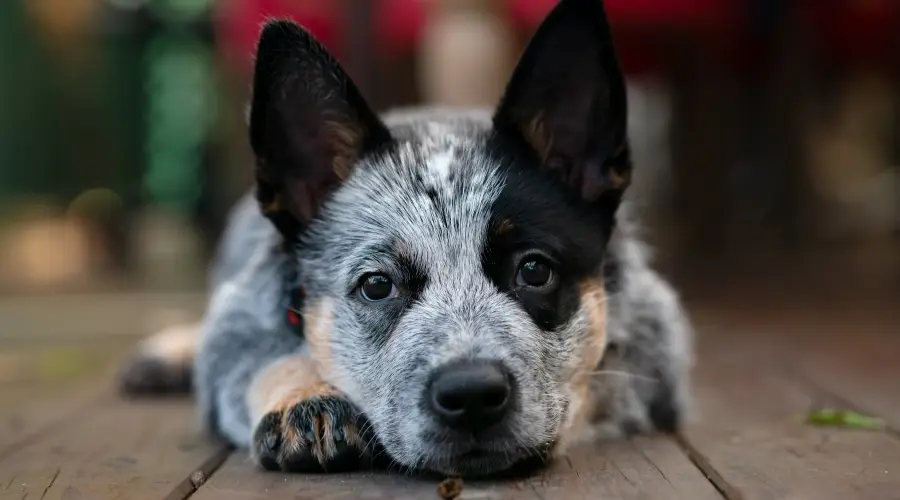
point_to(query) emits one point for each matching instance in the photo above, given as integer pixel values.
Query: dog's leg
(302, 424)
(643, 379)
(256, 383)
(163, 363)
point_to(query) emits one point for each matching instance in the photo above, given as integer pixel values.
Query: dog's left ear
(566, 102)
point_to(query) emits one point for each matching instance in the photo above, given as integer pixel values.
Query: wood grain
(42, 384)
(758, 376)
(81, 316)
(750, 428)
(60, 354)
(643, 468)
(856, 360)
(117, 449)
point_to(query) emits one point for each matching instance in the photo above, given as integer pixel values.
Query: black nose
(471, 395)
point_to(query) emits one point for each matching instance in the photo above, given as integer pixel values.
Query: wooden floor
(761, 369)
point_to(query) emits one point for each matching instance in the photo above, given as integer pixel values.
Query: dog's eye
(376, 287)
(534, 272)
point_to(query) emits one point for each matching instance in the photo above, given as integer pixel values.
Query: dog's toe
(320, 434)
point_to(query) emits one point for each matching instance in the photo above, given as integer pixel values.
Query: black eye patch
(541, 247)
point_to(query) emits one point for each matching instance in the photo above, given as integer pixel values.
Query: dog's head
(452, 262)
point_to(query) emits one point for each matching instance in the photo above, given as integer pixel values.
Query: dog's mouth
(461, 455)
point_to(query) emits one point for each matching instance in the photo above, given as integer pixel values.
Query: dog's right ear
(566, 102)
(309, 125)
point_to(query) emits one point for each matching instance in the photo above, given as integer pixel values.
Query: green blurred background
(767, 133)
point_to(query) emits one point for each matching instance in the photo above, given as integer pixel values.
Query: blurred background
(766, 132)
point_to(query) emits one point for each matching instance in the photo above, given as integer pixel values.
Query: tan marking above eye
(619, 180)
(272, 206)
(502, 226)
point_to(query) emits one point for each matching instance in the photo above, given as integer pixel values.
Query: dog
(460, 290)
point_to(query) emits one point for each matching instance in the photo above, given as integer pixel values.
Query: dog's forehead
(433, 193)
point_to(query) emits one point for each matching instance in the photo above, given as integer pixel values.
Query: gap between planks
(702, 463)
(754, 442)
(644, 467)
(199, 476)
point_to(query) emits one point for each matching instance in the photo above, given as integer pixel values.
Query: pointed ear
(566, 102)
(309, 125)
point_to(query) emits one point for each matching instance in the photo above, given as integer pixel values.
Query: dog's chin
(480, 463)
(472, 464)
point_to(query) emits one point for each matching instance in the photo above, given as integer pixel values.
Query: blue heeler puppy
(468, 291)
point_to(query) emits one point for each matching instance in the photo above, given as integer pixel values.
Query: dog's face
(452, 262)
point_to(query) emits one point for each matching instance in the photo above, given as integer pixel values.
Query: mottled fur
(445, 202)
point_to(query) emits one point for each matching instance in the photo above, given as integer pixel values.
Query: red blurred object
(856, 31)
(848, 30)
(239, 23)
(398, 24)
(635, 22)
(695, 15)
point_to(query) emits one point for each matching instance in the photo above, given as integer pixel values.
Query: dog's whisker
(618, 373)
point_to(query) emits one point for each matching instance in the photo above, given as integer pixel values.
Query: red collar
(295, 310)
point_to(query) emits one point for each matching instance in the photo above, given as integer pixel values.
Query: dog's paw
(145, 375)
(318, 434)
(163, 363)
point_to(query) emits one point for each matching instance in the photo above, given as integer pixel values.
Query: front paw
(318, 434)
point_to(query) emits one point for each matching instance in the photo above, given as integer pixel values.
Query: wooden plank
(23, 423)
(645, 467)
(58, 354)
(117, 449)
(57, 317)
(44, 383)
(750, 430)
(858, 362)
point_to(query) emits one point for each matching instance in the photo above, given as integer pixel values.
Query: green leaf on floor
(844, 419)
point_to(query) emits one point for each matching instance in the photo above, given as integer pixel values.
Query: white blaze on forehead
(434, 195)
(442, 148)
(438, 130)
(439, 164)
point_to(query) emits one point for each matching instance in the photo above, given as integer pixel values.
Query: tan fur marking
(536, 135)
(345, 146)
(290, 436)
(283, 384)
(273, 206)
(324, 446)
(176, 345)
(318, 321)
(352, 435)
(593, 300)
(503, 226)
(619, 180)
